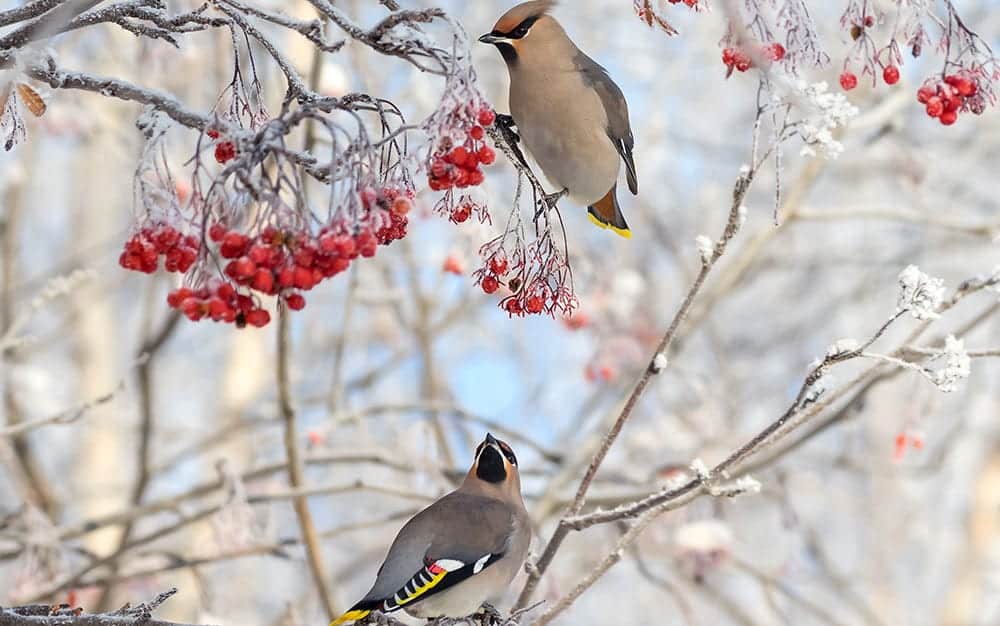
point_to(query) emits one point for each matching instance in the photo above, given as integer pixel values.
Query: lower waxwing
(460, 551)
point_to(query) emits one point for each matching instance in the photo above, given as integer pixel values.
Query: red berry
(401, 205)
(935, 106)
(490, 284)
(475, 177)
(948, 118)
(263, 281)
(243, 267)
(304, 278)
(869, 20)
(774, 51)
(486, 117)
(217, 308)
(439, 169)
(174, 298)
(295, 301)
(848, 81)
(233, 245)
(476, 132)
(513, 306)
(258, 317)
(924, 94)
(225, 291)
(458, 156)
(213, 133)
(225, 151)
(216, 232)
(534, 304)
(498, 265)
(460, 214)
(486, 155)
(890, 75)
(261, 255)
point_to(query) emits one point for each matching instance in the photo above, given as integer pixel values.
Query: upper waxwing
(572, 117)
(460, 551)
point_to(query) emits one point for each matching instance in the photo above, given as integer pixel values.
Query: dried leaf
(31, 99)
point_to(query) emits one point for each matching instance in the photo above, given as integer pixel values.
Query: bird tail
(351, 616)
(607, 214)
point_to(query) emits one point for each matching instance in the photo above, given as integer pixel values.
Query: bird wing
(619, 129)
(453, 539)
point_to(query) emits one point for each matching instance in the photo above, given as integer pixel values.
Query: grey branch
(64, 615)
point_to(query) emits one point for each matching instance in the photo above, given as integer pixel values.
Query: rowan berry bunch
(945, 99)
(143, 250)
(458, 148)
(456, 165)
(970, 68)
(285, 262)
(736, 59)
(762, 33)
(532, 278)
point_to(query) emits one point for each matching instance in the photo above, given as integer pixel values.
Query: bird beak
(490, 440)
(493, 39)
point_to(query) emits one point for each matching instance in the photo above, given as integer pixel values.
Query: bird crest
(527, 10)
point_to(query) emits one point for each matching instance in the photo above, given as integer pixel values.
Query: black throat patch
(508, 53)
(491, 467)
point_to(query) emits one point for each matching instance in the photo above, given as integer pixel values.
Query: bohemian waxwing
(572, 117)
(460, 551)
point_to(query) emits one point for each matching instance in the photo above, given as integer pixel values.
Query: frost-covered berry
(848, 81)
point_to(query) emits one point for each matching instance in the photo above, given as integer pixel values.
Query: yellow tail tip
(350, 616)
(623, 232)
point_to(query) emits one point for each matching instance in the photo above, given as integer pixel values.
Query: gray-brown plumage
(462, 550)
(572, 117)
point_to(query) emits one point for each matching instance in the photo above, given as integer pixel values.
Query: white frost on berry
(823, 112)
(919, 293)
(706, 248)
(957, 365)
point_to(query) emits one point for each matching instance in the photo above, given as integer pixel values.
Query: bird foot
(549, 201)
(489, 616)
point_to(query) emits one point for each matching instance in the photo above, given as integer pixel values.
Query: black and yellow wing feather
(433, 578)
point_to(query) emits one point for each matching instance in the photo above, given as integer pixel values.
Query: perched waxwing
(572, 117)
(460, 551)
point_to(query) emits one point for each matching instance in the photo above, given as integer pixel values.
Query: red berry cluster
(496, 269)
(737, 59)
(225, 151)
(944, 99)
(143, 250)
(269, 261)
(458, 166)
(690, 3)
(463, 210)
(220, 302)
